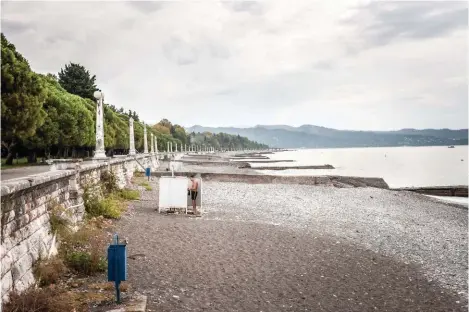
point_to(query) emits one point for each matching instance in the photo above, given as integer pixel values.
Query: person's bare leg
(194, 208)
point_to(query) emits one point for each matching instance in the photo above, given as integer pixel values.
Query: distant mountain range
(309, 136)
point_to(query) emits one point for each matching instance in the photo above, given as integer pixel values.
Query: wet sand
(299, 248)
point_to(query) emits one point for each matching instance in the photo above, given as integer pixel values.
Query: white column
(171, 146)
(99, 152)
(156, 144)
(145, 142)
(167, 148)
(151, 144)
(176, 148)
(131, 136)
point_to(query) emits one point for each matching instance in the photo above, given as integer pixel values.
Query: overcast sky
(343, 64)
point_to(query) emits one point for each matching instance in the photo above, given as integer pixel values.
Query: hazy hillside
(310, 136)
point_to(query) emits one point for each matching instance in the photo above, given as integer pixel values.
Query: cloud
(147, 7)
(341, 63)
(180, 51)
(251, 7)
(16, 27)
(382, 22)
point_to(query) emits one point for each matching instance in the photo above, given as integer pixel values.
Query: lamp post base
(101, 155)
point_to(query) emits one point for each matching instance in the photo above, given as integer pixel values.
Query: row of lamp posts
(100, 152)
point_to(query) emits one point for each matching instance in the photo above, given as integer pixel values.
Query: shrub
(108, 207)
(128, 194)
(85, 262)
(49, 299)
(58, 218)
(146, 185)
(109, 182)
(83, 250)
(138, 174)
(48, 272)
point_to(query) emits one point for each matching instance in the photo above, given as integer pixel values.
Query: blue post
(117, 264)
(147, 173)
(117, 281)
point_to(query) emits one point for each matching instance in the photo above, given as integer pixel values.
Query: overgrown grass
(128, 194)
(83, 251)
(139, 174)
(146, 185)
(49, 299)
(86, 263)
(58, 218)
(110, 207)
(48, 272)
(109, 182)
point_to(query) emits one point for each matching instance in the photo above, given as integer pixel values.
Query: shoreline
(243, 167)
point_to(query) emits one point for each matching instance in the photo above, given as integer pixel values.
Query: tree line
(54, 116)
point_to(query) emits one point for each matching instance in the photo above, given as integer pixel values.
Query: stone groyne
(458, 190)
(294, 167)
(337, 181)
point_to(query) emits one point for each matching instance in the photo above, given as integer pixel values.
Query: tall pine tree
(76, 79)
(22, 99)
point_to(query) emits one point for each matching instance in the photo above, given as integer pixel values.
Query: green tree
(180, 134)
(22, 99)
(77, 80)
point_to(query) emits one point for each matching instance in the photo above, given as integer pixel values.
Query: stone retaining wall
(25, 227)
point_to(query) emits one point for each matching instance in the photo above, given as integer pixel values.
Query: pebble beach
(287, 247)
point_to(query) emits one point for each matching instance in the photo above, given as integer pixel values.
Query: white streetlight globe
(97, 95)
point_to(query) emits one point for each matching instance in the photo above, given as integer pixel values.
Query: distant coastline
(309, 136)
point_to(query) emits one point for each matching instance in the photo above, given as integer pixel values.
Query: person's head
(192, 177)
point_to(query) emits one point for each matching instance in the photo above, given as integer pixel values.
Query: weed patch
(109, 207)
(50, 299)
(48, 272)
(58, 218)
(109, 182)
(146, 185)
(138, 174)
(85, 262)
(128, 194)
(83, 250)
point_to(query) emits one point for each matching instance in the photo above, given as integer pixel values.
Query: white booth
(173, 193)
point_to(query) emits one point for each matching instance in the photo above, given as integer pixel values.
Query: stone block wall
(25, 228)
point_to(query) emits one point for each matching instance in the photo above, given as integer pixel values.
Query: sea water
(398, 166)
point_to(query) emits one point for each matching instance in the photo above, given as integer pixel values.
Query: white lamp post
(132, 150)
(145, 143)
(100, 152)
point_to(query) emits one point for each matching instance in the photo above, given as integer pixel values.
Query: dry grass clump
(48, 272)
(49, 299)
(83, 251)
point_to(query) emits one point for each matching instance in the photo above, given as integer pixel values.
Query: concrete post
(132, 150)
(99, 152)
(176, 147)
(156, 144)
(151, 144)
(145, 143)
(167, 148)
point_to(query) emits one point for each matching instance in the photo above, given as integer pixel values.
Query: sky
(344, 64)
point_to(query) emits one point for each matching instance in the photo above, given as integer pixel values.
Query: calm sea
(398, 166)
